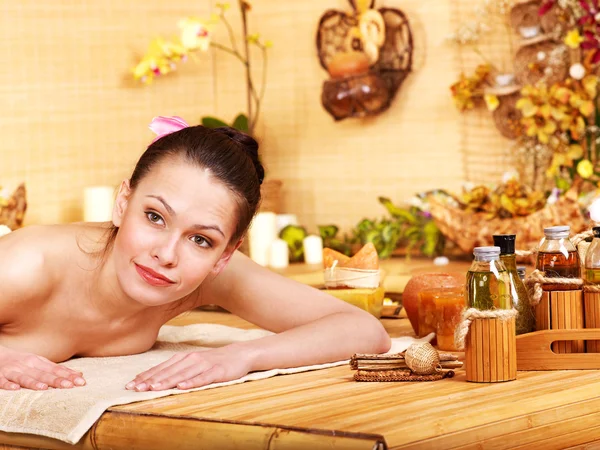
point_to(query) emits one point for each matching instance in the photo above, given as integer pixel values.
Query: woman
(106, 289)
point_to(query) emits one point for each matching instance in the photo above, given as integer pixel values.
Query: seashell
(422, 358)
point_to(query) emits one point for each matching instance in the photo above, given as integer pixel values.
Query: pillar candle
(313, 249)
(98, 203)
(279, 256)
(262, 233)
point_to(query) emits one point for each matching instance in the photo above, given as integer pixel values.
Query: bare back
(48, 302)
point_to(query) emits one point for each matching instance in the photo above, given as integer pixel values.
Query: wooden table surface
(326, 409)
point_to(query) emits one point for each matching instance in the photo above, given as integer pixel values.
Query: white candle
(98, 203)
(262, 233)
(283, 220)
(279, 256)
(313, 249)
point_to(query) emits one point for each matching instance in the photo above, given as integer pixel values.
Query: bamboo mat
(67, 414)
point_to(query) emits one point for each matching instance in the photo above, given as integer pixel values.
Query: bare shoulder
(29, 258)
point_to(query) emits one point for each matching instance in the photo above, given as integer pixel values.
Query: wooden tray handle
(534, 352)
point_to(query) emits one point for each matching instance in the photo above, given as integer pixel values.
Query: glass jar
(488, 283)
(525, 322)
(592, 259)
(558, 258)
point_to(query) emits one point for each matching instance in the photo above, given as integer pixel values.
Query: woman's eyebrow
(165, 204)
(196, 226)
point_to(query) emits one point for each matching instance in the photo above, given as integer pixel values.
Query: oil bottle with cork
(525, 322)
(558, 258)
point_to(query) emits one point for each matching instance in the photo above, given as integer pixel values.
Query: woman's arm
(26, 285)
(313, 327)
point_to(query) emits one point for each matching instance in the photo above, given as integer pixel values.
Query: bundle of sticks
(393, 367)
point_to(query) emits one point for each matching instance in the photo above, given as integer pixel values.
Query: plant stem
(263, 84)
(249, 87)
(230, 51)
(230, 32)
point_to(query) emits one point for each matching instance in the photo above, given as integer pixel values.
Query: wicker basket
(13, 213)
(469, 230)
(540, 59)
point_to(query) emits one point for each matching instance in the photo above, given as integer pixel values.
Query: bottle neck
(510, 261)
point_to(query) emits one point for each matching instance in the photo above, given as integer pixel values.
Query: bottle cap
(486, 251)
(596, 231)
(506, 242)
(559, 231)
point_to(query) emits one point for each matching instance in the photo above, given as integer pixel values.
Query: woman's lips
(151, 277)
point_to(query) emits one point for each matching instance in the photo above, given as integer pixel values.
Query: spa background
(74, 117)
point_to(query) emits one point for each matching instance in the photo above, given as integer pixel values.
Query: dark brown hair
(230, 155)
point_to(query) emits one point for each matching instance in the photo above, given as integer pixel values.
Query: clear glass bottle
(488, 283)
(592, 259)
(558, 258)
(525, 322)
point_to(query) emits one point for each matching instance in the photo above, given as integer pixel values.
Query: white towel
(67, 414)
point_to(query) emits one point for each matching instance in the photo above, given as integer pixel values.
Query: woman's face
(174, 231)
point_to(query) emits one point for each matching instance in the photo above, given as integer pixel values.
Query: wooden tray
(534, 350)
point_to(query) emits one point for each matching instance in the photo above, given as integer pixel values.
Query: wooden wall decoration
(374, 46)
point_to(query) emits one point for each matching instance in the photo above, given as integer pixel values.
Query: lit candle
(279, 257)
(313, 249)
(98, 203)
(262, 233)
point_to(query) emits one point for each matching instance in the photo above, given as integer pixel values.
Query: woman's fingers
(73, 376)
(142, 377)
(8, 385)
(26, 381)
(50, 379)
(212, 375)
(172, 376)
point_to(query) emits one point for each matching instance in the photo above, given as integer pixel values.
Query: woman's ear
(225, 257)
(121, 203)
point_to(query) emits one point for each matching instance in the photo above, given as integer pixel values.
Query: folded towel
(67, 414)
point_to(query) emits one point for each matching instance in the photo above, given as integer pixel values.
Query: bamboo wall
(73, 117)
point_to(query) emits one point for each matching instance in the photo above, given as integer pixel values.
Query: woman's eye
(153, 217)
(200, 241)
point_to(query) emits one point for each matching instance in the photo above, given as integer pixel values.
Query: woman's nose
(165, 251)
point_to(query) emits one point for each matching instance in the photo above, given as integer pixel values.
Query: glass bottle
(558, 258)
(525, 322)
(592, 259)
(488, 283)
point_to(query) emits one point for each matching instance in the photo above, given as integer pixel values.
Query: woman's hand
(21, 369)
(191, 370)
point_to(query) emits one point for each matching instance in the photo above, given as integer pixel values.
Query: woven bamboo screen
(72, 117)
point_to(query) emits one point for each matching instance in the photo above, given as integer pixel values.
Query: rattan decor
(541, 59)
(371, 93)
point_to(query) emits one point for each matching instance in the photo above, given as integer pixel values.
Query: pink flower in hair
(166, 125)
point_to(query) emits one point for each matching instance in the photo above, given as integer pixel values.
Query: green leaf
(241, 123)
(327, 231)
(397, 212)
(213, 122)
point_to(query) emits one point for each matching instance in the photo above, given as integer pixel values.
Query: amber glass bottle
(525, 322)
(558, 258)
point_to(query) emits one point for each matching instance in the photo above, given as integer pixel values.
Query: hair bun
(248, 144)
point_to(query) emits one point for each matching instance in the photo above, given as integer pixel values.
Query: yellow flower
(590, 84)
(195, 34)
(585, 168)
(528, 109)
(575, 151)
(573, 38)
(491, 102)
